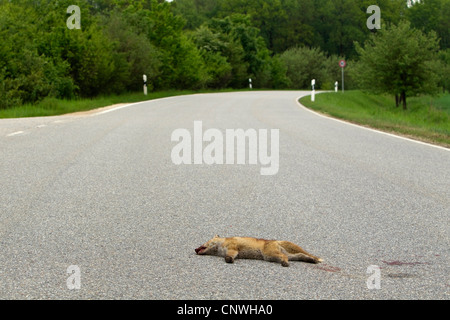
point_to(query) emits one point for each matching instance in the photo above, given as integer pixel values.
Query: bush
(304, 64)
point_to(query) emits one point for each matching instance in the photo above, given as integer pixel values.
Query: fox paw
(229, 259)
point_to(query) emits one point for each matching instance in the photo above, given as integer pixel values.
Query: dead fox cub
(252, 248)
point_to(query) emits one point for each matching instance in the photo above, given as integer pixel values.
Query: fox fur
(253, 248)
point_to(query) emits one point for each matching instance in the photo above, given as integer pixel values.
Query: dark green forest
(215, 44)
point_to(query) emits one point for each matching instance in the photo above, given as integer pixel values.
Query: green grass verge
(53, 106)
(426, 119)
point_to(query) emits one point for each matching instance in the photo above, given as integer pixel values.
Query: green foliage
(133, 55)
(304, 64)
(235, 50)
(194, 44)
(179, 62)
(432, 15)
(400, 61)
(196, 12)
(444, 73)
(213, 47)
(278, 78)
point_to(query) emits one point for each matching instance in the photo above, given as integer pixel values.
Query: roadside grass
(427, 118)
(53, 106)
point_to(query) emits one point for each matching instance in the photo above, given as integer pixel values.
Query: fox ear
(216, 236)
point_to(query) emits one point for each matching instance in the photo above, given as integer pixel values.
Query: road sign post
(342, 64)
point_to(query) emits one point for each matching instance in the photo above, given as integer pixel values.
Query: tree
(243, 47)
(196, 12)
(265, 15)
(212, 46)
(181, 64)
(26, 74)
(304, 64)
(337, 24)
(432, 15)
(133, 55)
(400, 61)
(297, 28)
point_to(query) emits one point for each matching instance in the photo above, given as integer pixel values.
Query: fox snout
(200, 249)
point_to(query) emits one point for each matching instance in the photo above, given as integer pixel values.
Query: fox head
(210, 247)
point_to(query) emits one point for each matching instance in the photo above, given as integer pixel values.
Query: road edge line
(366, 128)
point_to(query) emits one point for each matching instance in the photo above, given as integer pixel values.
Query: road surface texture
(99, 191)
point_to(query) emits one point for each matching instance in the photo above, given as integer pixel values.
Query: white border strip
(15, 133)
(117, 108)
(136, 103)
(370, 129)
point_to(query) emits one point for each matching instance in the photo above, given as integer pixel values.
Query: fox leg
(277, 257)
(304, 257)
(272, 252)
(230, 255)
(295, 252)
(284, 260)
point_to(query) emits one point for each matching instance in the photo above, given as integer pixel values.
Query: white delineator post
(145, 84)
(250, 83)
(336, 84)
(313, 94)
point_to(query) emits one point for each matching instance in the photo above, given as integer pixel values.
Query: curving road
(99, 191)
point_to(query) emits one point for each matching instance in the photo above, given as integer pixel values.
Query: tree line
(196, 44)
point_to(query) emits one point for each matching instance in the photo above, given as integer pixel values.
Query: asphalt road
(99, 191)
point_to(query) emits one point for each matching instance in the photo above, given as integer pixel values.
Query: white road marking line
(15, 133)
(116, 108)
(370, 129)
(145, 101)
